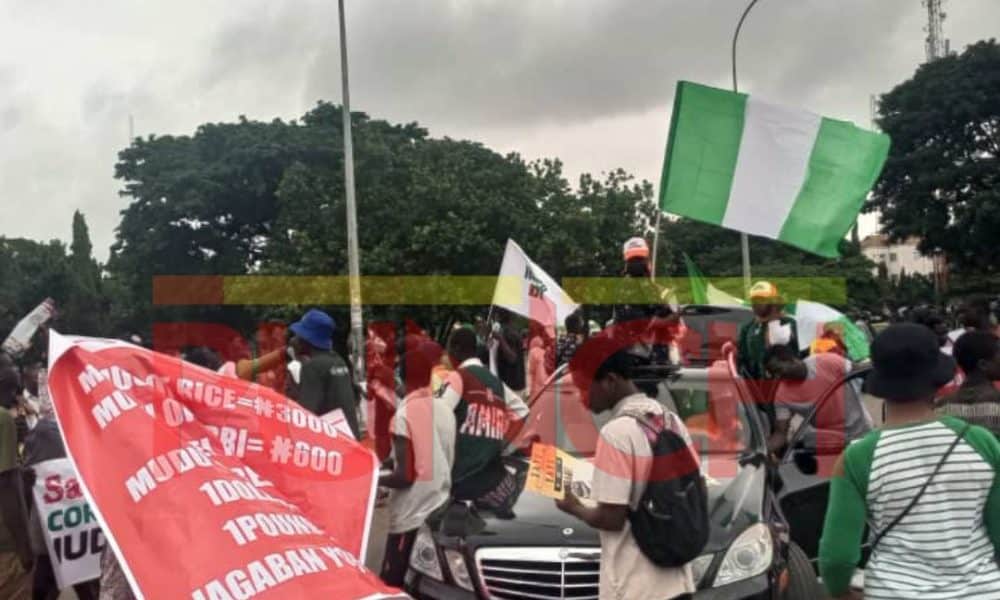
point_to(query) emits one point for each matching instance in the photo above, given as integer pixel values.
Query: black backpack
(671, 524)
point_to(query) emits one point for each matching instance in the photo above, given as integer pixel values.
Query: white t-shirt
(33, 405)
(622, 464)
(429, 424)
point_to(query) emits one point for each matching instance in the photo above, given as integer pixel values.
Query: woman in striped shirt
(927, 486)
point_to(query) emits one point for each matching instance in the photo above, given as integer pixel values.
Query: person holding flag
(525, 289)
(510, 352)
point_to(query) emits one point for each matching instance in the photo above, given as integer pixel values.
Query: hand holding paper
(778, 334)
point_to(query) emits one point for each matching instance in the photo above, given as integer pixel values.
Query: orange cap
(635, 248)
(764, 290)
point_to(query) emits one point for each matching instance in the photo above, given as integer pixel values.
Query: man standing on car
(622, 467)
(325, 379)
(488, 416)
(648, 305)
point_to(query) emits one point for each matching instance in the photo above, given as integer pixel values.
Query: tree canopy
(32, 271)
(942, 179)
(254, 197)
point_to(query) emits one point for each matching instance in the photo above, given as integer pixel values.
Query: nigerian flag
(753, 166)
(703, 292)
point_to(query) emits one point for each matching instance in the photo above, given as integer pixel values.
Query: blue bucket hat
(315, 327)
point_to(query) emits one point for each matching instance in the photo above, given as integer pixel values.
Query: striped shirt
(946, 546)
(978, 404)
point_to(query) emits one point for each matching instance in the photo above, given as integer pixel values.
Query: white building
(897, 257)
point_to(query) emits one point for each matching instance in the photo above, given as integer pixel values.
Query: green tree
(268, 197)
(253, 197)
(85, 306)
(942, 180)
(912, 289)
(33, 271)
(81, 248)
(580, 233)
(200, 204)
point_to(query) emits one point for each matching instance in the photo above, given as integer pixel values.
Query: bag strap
(923, 488)
(651, 429)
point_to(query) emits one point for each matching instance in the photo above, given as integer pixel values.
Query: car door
(804, 473)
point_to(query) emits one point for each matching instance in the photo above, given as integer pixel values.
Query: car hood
(735, 503)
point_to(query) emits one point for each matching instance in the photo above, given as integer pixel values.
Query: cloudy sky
(588, 81)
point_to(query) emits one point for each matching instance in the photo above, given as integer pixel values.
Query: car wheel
(802, 581)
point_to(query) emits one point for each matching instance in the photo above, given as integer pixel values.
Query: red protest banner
(208, 487)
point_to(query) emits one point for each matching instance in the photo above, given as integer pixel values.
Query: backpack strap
(923, 488)
(645, 422)
(648, 427)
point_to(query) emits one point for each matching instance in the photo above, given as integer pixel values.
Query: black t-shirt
(325, 385)
(647, 302)
(511, 372)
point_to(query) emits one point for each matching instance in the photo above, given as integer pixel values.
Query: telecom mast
(937, 46)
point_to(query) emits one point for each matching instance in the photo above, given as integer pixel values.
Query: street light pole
(744, 238)
(353, 264)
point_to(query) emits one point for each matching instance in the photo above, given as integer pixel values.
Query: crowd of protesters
(925, 483)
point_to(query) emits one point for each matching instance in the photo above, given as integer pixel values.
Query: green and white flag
(813, 318)
(703, 292)
(760, 168)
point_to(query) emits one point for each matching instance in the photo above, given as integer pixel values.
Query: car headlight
(459, 572)
(424, 556)
(699, 567)
(749, 556)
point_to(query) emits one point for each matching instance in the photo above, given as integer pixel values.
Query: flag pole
(744, 238)
(656, 240)
(353, 264)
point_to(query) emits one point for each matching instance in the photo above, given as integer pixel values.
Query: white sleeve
(399, 425)
(451, 390)
(515, 403)
(614, 464)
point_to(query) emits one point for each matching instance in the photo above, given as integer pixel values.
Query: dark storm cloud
(590, 81)
(561, 62)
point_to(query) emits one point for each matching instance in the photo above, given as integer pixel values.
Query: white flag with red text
(525, 289)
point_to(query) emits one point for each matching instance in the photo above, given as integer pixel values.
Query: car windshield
(708, 404)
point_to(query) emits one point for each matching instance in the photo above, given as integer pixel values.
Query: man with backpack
(651, 504)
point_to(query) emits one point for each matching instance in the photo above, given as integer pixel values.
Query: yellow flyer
(547, 471)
